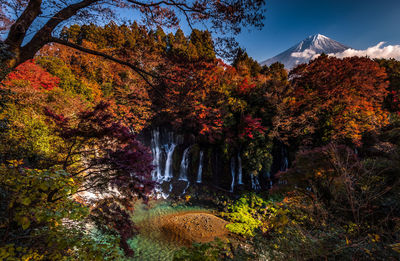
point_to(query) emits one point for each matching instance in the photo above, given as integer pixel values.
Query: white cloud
(306, 54)
(377, 51)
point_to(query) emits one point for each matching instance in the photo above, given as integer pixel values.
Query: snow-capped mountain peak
(306, 50)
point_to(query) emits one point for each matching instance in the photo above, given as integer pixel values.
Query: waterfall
(240, 171)
(187, 186)
(233, 173)
(268, 178)
(285, 164)
(184, 165)
(156, 150)
(200, 170)
(158, 193)
(184, 169)
(169, 149)
(255, 185)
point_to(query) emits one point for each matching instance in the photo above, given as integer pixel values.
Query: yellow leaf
(26, 201)
(25, 222)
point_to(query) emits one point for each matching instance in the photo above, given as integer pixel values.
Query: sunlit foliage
(334, 99)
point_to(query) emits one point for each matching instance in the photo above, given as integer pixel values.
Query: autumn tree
(333, 99)
(392, 101)
(29, 32)
(56, 134)
(125, 91)
(242, 61)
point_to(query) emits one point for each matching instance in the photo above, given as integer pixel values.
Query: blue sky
(355, 23)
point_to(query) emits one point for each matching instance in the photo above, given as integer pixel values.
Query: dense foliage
(341, 192)
(55, 146)
(71, 165)
(333, 99)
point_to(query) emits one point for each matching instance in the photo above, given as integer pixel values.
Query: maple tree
(392, 100)
(333, 99)
(35, 75)
(127, 93)
(102, 152)
(56, 134)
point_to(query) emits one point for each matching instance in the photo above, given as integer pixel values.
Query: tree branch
(18, 30)
(142, 73)
(44, 35)
(181, 6)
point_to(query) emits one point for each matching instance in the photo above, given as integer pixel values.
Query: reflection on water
(151, 243)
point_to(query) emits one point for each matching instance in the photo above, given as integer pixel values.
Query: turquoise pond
(152, 243)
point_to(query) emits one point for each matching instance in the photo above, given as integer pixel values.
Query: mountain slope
(305, 50)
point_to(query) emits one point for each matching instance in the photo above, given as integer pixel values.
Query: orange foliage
(334, 99)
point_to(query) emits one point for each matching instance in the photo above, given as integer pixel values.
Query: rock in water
(193, 227)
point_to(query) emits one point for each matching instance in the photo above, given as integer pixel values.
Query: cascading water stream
(169, 148)
(200, 169)
(268, 177)
(156, 150)
(184, 169)
(233, 173)
(285, 164)
(184, 165)
(240, 170)
(187, 186)
(255, 184)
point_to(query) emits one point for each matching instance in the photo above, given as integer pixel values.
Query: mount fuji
(305, 50)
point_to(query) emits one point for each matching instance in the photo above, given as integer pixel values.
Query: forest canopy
(303, 164)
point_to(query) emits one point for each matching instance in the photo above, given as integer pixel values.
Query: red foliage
(113, 158)
(35, 75)
(245, 86)
(334, 99)
(251, 126)
(107, 213)
(396, 101)
(196, 95)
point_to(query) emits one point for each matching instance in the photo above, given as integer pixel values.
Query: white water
(158, 193)
(233, 173)
(169, 148)
(200, 169)
(184, 165)
(187, 186)
(240, 171)
(184, 169)
(156, 150)
(285, 164)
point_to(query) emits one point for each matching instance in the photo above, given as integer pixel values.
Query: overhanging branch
(142, 73)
